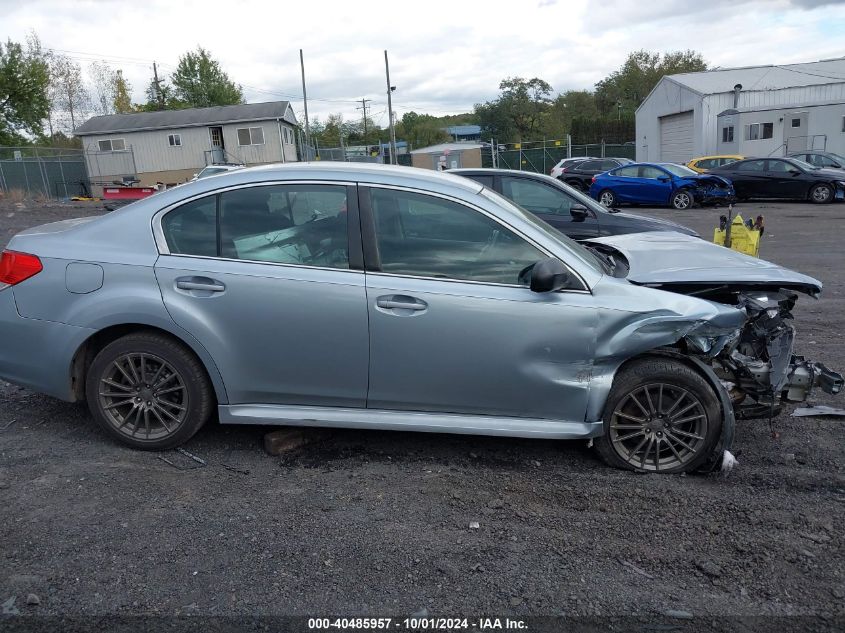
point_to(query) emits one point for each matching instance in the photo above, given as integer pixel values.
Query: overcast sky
(444, 55)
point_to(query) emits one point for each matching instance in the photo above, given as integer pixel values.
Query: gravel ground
(379, 523)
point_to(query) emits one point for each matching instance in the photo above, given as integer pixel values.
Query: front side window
(647, 171)
(250, 136)
(304, 225)
(426, 236)
(780, 166)
(535, 196)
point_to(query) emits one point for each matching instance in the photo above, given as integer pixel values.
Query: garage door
(676, 137)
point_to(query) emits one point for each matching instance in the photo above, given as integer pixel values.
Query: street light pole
(390, 89)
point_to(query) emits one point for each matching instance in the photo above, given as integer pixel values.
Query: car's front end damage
(711, 190)
(747, 342)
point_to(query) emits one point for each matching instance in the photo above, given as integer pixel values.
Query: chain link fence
(541, 156)
(43, 171)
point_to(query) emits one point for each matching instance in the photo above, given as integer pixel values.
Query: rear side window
(486, 181)
(607, 165)
(752, 165)
(303, 225)
(192, 228)
(590, 165)
(707, 163)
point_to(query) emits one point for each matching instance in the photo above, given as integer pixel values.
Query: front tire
(682, 200)
(607, 199)
(821, 194)
(661, 416)
(148, 391)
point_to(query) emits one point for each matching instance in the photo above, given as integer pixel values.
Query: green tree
(520, 111)
(625, 89)
(122, 102)
(199, 82)
(24, 85)
(69, 96)
(421, 130)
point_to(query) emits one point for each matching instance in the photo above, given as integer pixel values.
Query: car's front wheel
(607, 199)
(660, 416)
(821, 194)
(682, 199)
(148, 391)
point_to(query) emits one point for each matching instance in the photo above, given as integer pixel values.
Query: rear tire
(148, 391)
(607, 198)
(821, 194)
(661, 416)
(682, 200)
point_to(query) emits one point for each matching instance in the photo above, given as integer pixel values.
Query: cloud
(444, 56)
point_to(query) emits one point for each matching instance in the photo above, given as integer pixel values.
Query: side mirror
(549, 275)
(795, 172)
(578, 212)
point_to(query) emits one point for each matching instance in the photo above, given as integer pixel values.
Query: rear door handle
(209, 286)
(400, 302)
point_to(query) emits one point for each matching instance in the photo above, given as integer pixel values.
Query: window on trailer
(112, 145)
(174, 140)
(250, 136)
(728, 134)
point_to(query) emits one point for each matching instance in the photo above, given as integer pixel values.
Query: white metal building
(169, 146)
(753, 111)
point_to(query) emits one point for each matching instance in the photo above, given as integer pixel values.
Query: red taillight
(16, 267)
(594, 179)
(563, 171)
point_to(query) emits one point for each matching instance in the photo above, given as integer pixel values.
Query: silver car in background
(379, 297)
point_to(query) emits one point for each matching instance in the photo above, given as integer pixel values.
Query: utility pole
(390, 89)
(159, 96)
(305, 101)
(364, 108)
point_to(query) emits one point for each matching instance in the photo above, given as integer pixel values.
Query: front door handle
(401, 302)
(208, 285)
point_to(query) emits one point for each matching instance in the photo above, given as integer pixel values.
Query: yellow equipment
(743, 239)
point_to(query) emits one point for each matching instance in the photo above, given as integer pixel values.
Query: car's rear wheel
(821, 194)
(575, 184)
(148, 391)
(682, 199)
(660, 416)
(607, 198)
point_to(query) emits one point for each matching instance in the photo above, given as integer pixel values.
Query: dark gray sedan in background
(376, 297)
(571, 212)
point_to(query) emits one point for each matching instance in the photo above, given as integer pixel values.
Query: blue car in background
(660, 184)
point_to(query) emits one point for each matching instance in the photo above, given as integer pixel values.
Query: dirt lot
(378, 523)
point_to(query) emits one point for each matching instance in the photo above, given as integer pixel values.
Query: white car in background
(557, 170)
(211, 170)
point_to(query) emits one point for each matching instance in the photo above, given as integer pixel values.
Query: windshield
(579, 251)
(679, 170)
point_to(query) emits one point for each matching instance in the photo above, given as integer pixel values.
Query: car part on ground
(365, 296)
(660, 184)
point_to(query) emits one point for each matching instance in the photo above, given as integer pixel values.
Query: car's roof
(737, 156)
(355, 171)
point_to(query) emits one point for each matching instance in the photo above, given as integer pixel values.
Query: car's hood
(829, 172)
(666, 258)
(649, 223)
(704, 178)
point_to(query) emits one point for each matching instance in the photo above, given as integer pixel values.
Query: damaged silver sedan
(372, 297)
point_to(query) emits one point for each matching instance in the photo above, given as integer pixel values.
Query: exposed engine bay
(757, 364)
